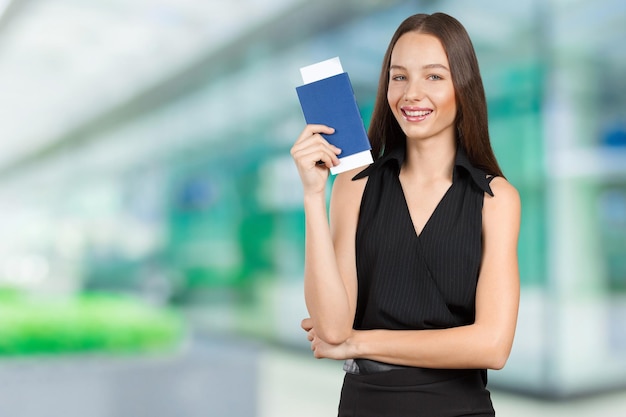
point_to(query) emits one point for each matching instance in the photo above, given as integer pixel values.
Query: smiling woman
(415, 282)
(421, 93)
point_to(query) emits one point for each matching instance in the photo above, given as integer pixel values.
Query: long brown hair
(471, 118)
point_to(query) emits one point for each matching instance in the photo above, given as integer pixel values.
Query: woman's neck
(429, 160)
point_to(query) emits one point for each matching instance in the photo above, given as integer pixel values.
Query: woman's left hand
(322, 349)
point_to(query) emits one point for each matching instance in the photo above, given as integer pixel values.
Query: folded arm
(484, 344)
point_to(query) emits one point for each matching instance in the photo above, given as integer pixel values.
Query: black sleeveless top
(426, 281)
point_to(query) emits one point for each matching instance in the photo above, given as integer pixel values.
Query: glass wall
(196, 202)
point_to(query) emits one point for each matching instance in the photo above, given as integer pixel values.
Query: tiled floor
(292, 384)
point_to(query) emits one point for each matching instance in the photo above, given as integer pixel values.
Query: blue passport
(331, 101)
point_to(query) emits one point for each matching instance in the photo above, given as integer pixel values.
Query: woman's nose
(413, 91)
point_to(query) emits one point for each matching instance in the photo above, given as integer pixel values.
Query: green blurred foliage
(102, 323)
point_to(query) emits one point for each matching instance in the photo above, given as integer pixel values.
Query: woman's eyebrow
(427, 66)
(431, 66)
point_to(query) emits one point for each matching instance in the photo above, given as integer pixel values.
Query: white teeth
(417, 113)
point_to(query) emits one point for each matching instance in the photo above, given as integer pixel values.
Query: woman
(415, 281)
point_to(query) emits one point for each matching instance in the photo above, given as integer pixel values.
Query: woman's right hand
(314, 156)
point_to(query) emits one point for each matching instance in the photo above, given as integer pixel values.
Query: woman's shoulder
(505, 196)
(347, 185)
(503, 188)
(345, 200)
(347, 192)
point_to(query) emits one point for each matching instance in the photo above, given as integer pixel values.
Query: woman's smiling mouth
(415, 113)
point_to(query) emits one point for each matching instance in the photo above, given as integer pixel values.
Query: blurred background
(151, 248)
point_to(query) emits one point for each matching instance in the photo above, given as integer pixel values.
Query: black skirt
(416, 392)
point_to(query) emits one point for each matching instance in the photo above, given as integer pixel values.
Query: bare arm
(330, 266)
(484, 344)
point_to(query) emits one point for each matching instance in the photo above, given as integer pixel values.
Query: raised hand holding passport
(327, 98)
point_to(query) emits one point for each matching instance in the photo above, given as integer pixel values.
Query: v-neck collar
(433, 214)
(395, 158)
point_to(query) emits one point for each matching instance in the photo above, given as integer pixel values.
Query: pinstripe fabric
(410, 281)
(425, 281)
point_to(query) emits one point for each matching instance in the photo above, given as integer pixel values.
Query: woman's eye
(398, 78)
(434, 77)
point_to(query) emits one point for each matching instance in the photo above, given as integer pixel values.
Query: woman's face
(421, 94)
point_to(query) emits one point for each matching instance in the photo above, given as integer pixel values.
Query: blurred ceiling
(69, 68)
(66, 61)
